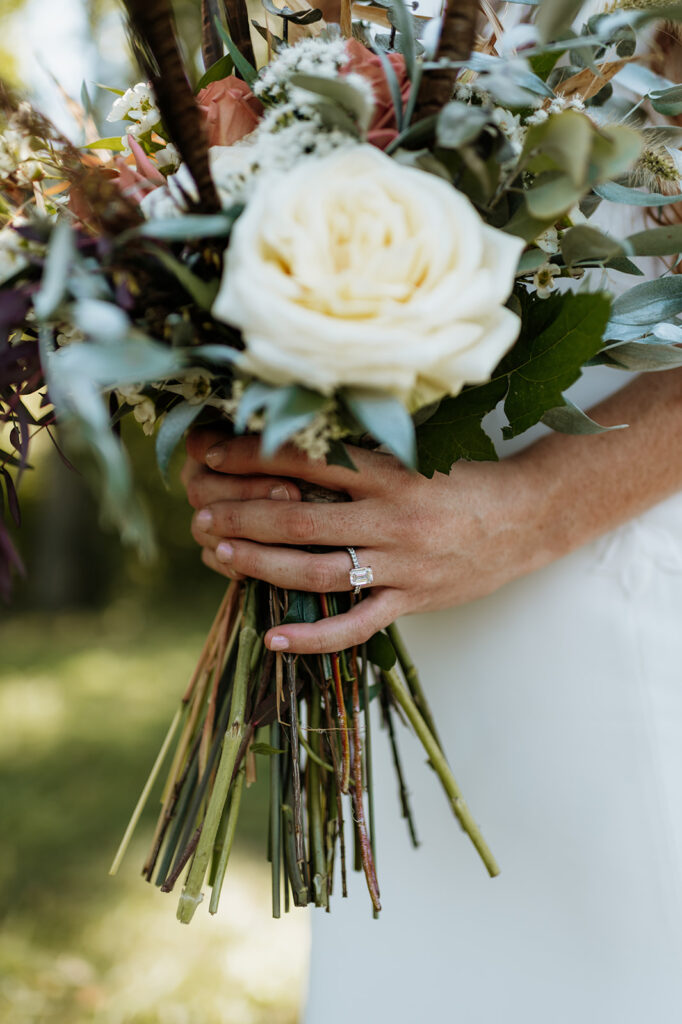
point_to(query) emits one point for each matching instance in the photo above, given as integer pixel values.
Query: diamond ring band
(360, 575)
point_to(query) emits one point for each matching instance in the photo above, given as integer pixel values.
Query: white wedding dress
(559, 701)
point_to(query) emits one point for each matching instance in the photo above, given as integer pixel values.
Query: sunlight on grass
(84, 704)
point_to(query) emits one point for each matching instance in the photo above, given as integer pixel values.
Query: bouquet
(376, 237)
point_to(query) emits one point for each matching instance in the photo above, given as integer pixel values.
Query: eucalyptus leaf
(290, 410)
(385, 418)
(460, 123)
(552, 195)
(644, 358)
(393, 88)
(257, 395)
(614, 193)
(60, 255)
(180, 229)
(338, 455)
(663, 241)
(559, 335)
(220, 355)
(352, 101)
(173, 426)
(530, 261)
(569, 419)
(555, 17)
(455, 431)
(650, 302)
(102, 321)
(667, 101)
(587, 243)
(403, 22)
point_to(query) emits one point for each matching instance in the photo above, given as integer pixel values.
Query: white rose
(355, 270)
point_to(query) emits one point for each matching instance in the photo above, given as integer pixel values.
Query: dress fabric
(559, 703)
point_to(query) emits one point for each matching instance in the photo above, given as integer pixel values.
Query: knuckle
(322, 576)
(194, 491)
(299, 525)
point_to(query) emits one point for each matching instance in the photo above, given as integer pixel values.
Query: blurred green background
(95, 651)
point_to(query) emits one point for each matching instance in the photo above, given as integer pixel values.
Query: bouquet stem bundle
(311, 716)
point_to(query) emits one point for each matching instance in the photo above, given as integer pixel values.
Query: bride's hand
(430, 543)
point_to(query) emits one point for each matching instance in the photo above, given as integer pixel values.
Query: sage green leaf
(135, 360)
(614, 193)
(569, 419)
(555, 17)
(559, 335)
(223, 67)
(615, 332)
(393, 88)
(663, 241)
(615, 148)
(645, 358)
(303, 607)
(455, 432)
(624, 266)
(667, 101)
(179, 229)
(564, 142)
(339, 91)
(402, 20)
(173, 426)
(649, 302)
(385, 418)
(245, 69)
(530, 261)
(460, 123)
(102, 321)
(587, 243)
(552, 195)
(203, 292)
(380, 651)
(60, 256)
(217, 355)
(290, 410)
(257, 395)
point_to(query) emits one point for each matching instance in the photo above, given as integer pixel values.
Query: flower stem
(441, 767)
(412, 679)
(232, 816)
(275, 818)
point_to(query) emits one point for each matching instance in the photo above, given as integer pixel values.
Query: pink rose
(383, 128)
(231, 110)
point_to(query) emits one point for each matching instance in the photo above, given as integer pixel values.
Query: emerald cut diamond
(361, 577)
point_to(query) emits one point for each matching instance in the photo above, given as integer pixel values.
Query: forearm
(588, 485)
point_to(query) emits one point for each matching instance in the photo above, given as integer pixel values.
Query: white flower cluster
(309, 56)
(315, 438)
(144, 409)
(278, 144)
(557, 105)
(137, 106)
(511, 127)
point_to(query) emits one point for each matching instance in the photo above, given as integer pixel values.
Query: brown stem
(357, 797)
(337, 789)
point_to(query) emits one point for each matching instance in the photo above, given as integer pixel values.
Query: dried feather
(456, 43)
(156, 48)
(237, 17)
(211, 44)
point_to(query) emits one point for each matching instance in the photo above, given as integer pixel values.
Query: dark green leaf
(455, 432)
(174, 424)
(663, 241)
(587, 243)
(667, 101)
(569, 419)
(380, 651)
(338, 455)
(221, 69)
(245, 69)
(559, 334)
(303, 607)
(386, 419)
(203, 292)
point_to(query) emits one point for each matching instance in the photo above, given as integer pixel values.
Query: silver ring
(360, 575)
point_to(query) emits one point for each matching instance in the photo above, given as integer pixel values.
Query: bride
(551, 652)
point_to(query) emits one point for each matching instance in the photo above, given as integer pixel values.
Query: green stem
(441, 768)
(319, 861)
(412, 680)
(191, 895)
(232, 816)
(275, 819)
(369, 777)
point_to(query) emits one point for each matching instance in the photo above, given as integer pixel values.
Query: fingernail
(279, 493)
(224, 551)
(204, 519)
(215, 454)
(279, 643)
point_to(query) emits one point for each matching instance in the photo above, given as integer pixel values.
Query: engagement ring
(360, 575)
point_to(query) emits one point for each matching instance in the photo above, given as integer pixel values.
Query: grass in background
(85, 700)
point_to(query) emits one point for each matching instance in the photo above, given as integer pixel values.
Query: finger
(293, 569)
(290, 522)
(338, 632)
(189, 470)
(207, 487)
(241, 455)
(208, 558)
